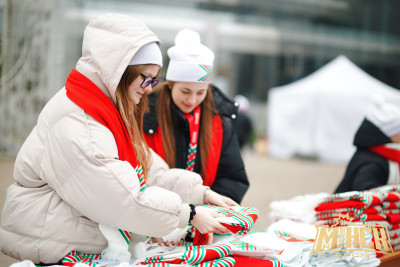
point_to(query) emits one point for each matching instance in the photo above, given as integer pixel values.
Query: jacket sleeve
(81, 164)
(231, 179)
(187, 184)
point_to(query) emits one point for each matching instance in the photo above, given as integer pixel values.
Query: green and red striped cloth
(200, 256)
(238, 220)
(376, 206)
(218, 255)
(194, 125)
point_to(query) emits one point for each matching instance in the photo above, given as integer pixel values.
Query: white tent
(319, 114)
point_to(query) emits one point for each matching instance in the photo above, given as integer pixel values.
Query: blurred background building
(259, 44)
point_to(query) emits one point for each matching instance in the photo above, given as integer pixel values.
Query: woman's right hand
(205, 221)
(213, 198)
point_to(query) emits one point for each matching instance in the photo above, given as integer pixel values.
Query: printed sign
(355, 239)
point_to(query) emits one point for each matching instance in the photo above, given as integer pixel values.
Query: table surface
(390, 260)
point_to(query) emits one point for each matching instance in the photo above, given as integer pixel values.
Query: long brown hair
(132, 115)
(166, 121)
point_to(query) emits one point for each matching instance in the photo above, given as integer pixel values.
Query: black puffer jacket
(231, 179)
(366, 169)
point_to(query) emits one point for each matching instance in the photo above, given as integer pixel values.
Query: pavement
(270, 179)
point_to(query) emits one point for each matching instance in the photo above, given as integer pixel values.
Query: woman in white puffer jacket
(85, 162)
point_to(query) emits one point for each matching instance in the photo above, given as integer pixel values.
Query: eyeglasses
(148, 80)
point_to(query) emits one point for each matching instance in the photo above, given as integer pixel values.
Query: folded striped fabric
(391, 205)
(378, 206)
(396, 248)
(391, 196)
(243, 261)
(239, 221)
(373, 210)
(386, 188)
(394, 241)
(198, 256)
(223, 262)
(246, 254)
(369, 198)
(340, 205)
(391, 211)
(211, 255)
(356, 217)
(393, 218)
(394, 233)
(75, 257)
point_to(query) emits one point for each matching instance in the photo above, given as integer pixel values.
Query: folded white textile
(300, 229)
(299, 208)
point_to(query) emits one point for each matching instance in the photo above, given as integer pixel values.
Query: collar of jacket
(225, 107)
(369, 135)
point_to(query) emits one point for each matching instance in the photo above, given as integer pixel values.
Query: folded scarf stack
(376, 206)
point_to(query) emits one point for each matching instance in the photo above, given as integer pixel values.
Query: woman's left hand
(213, 198)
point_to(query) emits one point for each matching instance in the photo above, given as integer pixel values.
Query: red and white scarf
(194, 125)
(93, 101)
(239, 221)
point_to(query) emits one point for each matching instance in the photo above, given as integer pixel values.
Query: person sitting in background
(186, 124)
(376, 161)
(242, 124)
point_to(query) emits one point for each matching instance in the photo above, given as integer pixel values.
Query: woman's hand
(157, 240)
(213, 198)
(205, 221)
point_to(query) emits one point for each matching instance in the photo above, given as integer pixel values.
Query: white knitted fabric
(117, 249)
(147, 54)
(190, 60)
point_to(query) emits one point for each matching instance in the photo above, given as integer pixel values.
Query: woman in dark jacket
(376, 161)
(188, 123)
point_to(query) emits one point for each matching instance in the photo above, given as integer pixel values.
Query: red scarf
(156, 143)
(93, 101)
(386, 152)
(194, 123)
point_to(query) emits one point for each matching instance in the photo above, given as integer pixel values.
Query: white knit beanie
(190, 61)
(147, 54)
(384, 115)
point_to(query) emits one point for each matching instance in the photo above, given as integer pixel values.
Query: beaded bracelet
(192, 212)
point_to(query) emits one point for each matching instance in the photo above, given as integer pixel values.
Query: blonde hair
(132, 115)
(167, 122)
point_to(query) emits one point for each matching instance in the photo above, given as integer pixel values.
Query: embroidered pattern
(191, 157)
(208, 70)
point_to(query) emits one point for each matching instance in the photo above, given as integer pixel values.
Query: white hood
(108, 46)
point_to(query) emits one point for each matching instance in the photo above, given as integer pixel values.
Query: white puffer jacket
(67, 174)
